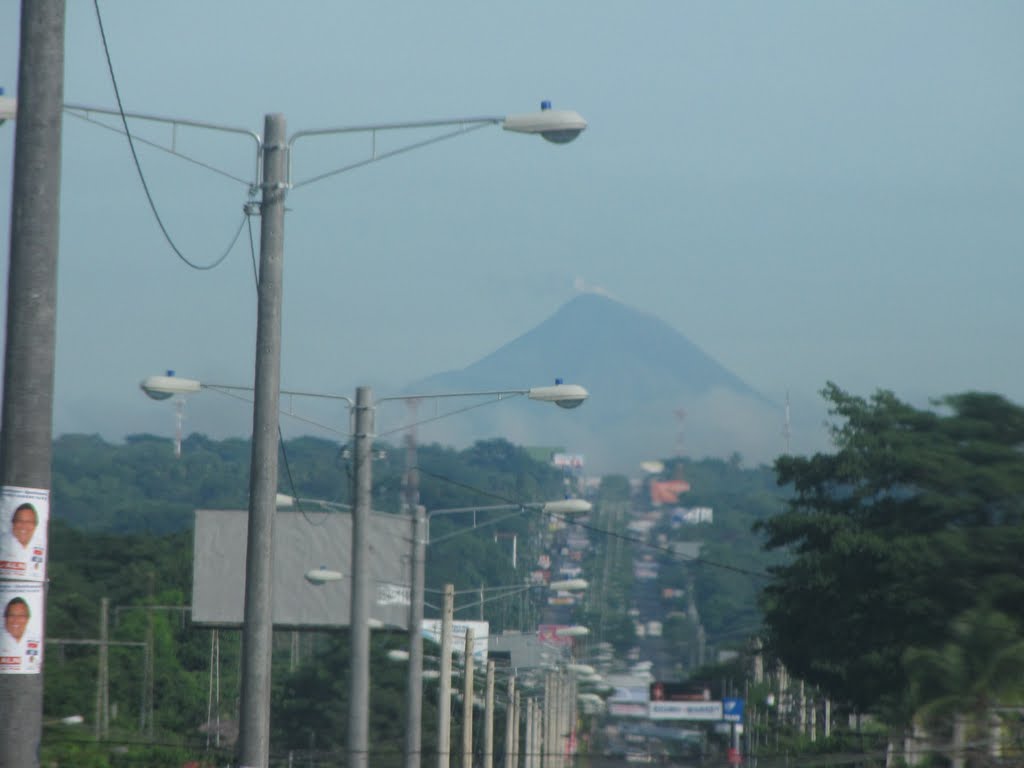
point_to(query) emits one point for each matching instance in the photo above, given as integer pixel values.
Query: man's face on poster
(24, 525)
(16, 619)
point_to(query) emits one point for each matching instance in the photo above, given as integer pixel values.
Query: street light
(8, 107)
(161, 387)
(560, 395)
(274, 155)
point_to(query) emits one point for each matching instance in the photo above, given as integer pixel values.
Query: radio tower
(680, 418)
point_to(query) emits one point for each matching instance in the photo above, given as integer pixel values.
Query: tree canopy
(915, 518)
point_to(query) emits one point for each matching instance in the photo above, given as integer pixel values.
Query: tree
(916, 517)
(962, 681)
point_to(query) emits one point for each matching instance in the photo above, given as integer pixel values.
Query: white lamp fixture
(574, 631)
(163, 387)
(322, 575)
(569, 585)
(8, 107)
(559, 126)
(568, 506)
(583, 669)
(562, 395)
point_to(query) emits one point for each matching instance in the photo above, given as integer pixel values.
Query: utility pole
(359, 619)
(257, 627)
(444, 695)
(27, 412)
(489, 717)
(414, 686)
(510, 723)
(467, 701)
(102, 722)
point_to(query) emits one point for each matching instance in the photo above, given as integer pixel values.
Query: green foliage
(121, 529)
(916, 517)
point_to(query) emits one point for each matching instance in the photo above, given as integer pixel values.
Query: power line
(138, 166)
(604, 532)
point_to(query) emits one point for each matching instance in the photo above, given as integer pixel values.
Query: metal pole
(529, 747)
(510, 722)
(101, 726)
(444, 695)
(467, 701)
(27, 436)
(489, 717)
(516, 716)
(414, 686)
(257, 627)
(359, 620)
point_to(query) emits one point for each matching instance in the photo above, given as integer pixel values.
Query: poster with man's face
(21, 638)
(24, 518)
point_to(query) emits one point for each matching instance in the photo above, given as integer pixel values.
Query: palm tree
(962, 682)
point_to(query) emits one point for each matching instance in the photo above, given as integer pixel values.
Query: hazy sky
(809, 191)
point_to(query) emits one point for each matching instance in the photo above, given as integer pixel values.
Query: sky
(808, 191)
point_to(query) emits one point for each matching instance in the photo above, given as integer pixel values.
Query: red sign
(667, 491)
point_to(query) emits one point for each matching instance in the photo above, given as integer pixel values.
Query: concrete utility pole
(510, 723)
(102, 722)
(444, 688)
(257, 627)
(359, 619)
(467, 701)
(27, 413)
(414, 686)
(489, 717)
(516, 716)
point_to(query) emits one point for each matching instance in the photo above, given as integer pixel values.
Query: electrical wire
(138, 166)
(446, 414)
(609, 534)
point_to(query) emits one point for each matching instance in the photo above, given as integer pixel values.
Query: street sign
(732, 710)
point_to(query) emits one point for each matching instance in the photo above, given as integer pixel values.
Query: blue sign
(732, 710)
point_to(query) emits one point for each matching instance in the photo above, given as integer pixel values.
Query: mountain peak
(638, 369)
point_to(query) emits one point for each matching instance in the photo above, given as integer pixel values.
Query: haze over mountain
(639, 372)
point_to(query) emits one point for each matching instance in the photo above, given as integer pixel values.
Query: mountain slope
(638, 370)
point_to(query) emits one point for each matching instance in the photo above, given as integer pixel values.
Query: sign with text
(481, 634)
(24, 517)
(21, 639)
(732, 710)
(685, 710)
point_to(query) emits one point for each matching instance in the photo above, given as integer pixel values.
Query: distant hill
(639, 371)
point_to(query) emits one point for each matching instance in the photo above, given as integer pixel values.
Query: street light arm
(162, 387)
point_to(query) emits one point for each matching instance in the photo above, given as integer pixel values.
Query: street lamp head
(322, 575)
(569, 585)
(573, 631)
(568, 506)
(8, 107)
(163, 387)
(562, 395)
(559, 126)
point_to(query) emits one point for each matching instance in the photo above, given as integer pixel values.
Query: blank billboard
(302, 542)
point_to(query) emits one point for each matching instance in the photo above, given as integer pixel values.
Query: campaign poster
(24, 518)
(21, 639)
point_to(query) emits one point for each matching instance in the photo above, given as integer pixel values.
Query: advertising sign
(662, 691)
(548, 633)
(685, 710)
(732, 710)
(627, 709)
(21, 640)
(481, 630)
(567, 460)
(24, 515)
